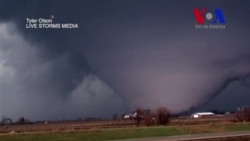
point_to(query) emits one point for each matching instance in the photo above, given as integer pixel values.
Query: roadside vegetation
(126, 133)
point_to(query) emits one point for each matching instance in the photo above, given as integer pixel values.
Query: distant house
(202, 114)
(127, 117)
(132, 116)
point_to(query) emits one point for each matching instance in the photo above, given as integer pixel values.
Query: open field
(113, 130)
(125, 133)
(83, 125)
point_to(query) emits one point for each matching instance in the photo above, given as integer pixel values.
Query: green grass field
(125, 133)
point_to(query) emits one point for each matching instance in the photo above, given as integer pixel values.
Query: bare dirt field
(92, 125)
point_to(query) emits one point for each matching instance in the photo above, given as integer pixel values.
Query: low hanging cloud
(179, 73)
(28, 88)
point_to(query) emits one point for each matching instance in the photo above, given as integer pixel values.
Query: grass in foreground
(96, 135)
(126, 133)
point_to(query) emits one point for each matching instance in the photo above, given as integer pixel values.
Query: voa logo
(209, 19)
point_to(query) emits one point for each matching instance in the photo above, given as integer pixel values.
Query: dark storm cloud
(148, 51)
(31, 87)
(74, 65)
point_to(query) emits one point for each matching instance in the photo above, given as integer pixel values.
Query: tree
(150, 119)
(22, 120)
(115, 117)
(243, 114)
(138, 115)
(163, 115)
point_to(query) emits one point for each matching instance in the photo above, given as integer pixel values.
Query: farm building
(202, 114)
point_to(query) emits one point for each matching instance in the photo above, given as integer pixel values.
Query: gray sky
(125, 54)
